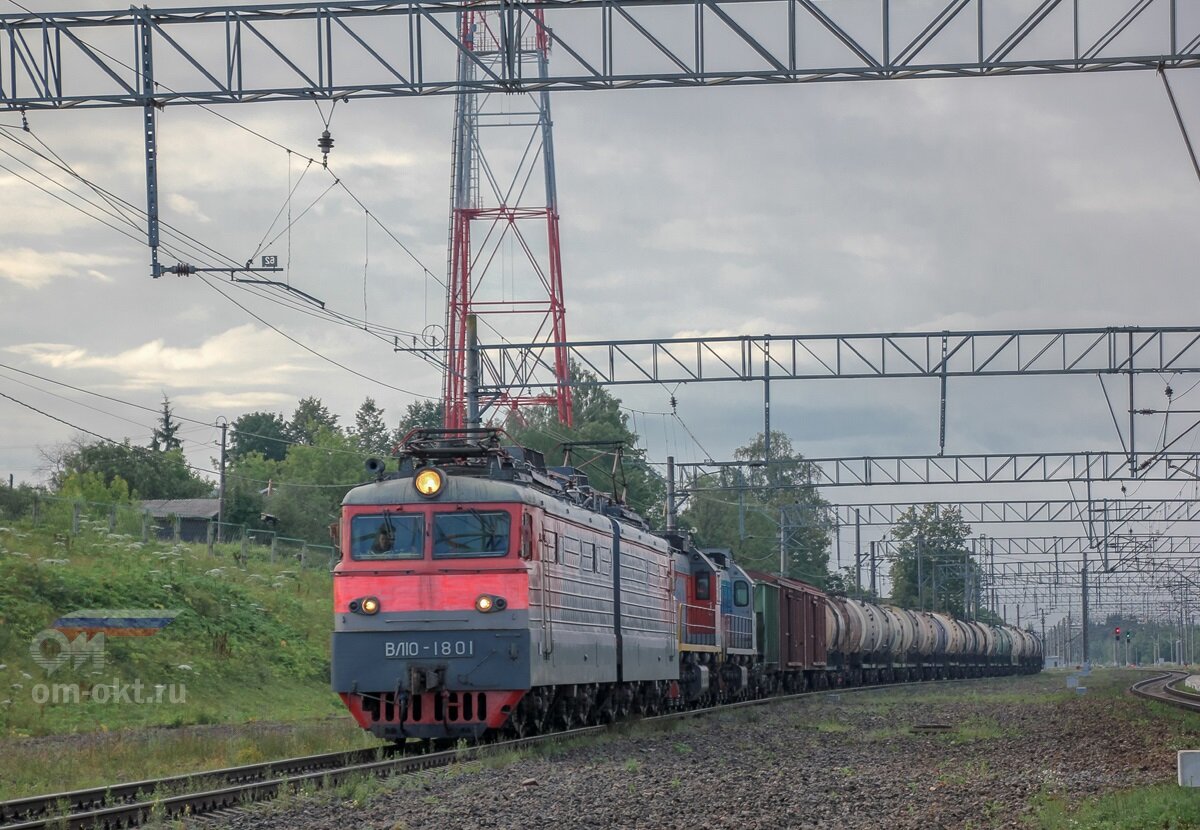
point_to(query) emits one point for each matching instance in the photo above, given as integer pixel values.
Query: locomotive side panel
(572, 588)
(647, 622)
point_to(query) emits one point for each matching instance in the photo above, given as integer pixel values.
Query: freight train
(480, 591)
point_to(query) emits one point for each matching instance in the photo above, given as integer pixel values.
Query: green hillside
(250, 642)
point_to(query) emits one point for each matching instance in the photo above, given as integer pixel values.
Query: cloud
(237, 401)
(245, 356)
(184, 206)
(33, 269)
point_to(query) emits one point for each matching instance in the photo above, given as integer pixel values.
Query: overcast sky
(853, 207)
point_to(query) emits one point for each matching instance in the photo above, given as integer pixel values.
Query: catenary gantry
(301, 51)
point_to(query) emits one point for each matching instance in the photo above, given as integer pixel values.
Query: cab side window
(704, 585)
(741, 594)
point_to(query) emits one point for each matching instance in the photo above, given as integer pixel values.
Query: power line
(97, 394)
(311, 350)
(191, 467)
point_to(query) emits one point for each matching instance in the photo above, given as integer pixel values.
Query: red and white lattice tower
(504, 262)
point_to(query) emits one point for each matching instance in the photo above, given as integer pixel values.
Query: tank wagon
(480, 590)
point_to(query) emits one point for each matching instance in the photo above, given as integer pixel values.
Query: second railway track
(1161, 688)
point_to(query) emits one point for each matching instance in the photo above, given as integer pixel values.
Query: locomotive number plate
(435, 648)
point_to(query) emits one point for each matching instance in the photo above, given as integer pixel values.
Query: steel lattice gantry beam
(1064, 351)
(1120, 550)
(301, 51)
(995, 468)
(1045, 511)
(1049, 572)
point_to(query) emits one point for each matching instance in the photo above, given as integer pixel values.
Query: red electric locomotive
(479, 589)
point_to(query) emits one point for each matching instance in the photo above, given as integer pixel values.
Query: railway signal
(1117, 635)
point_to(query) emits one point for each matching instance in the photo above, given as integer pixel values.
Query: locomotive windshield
(387, 536)
(470, 533)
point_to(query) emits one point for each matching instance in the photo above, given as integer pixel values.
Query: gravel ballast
(973, 754)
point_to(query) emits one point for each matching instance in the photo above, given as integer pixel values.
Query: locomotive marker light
(366, 605)
(486, 604)
(428, 482)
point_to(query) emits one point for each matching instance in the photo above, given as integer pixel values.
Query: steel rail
(194, 803)
(25, 809)
(1161, 690)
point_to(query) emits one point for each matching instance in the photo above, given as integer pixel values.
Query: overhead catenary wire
(311, 350)
(233, 263)
(115, 212)
(195, 423)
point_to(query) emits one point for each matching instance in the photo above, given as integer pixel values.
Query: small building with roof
(192, 515)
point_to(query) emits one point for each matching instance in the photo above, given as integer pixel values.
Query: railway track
(1162, 689)
(131, 804)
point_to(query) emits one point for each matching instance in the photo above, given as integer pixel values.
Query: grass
(249, 645)
(1163, 807)
(829, 726)
(975, 729)
(33, 768)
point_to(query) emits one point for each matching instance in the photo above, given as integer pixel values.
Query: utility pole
(782, 542)
(920, 575)
(767, 400)
(1043, 634)
(933, 566)
(966, 601)
(858, 551)
(1083, 578)
(221, 487)
(874, 591)
(473, 419)
(671, 506)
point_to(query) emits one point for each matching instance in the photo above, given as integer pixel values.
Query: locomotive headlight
(487, 603)
(369, 605)
(428, 482)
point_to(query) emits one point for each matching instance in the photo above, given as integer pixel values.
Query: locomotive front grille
(428, 707)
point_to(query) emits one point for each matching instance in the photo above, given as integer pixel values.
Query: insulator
(181, 269)
(325, 144)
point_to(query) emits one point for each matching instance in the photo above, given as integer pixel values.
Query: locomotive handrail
(739, 631)
(688, 633)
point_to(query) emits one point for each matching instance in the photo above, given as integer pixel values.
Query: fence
(239, 541)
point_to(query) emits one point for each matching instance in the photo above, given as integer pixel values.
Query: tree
(92, 487)
(164, 433)
(312, 481)
(597, 418)
(370, 432)
(756, 509)
(265, 433)
(426, 414)
(250, 475)
(932, 564)
(149, 474)
(310, 416)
